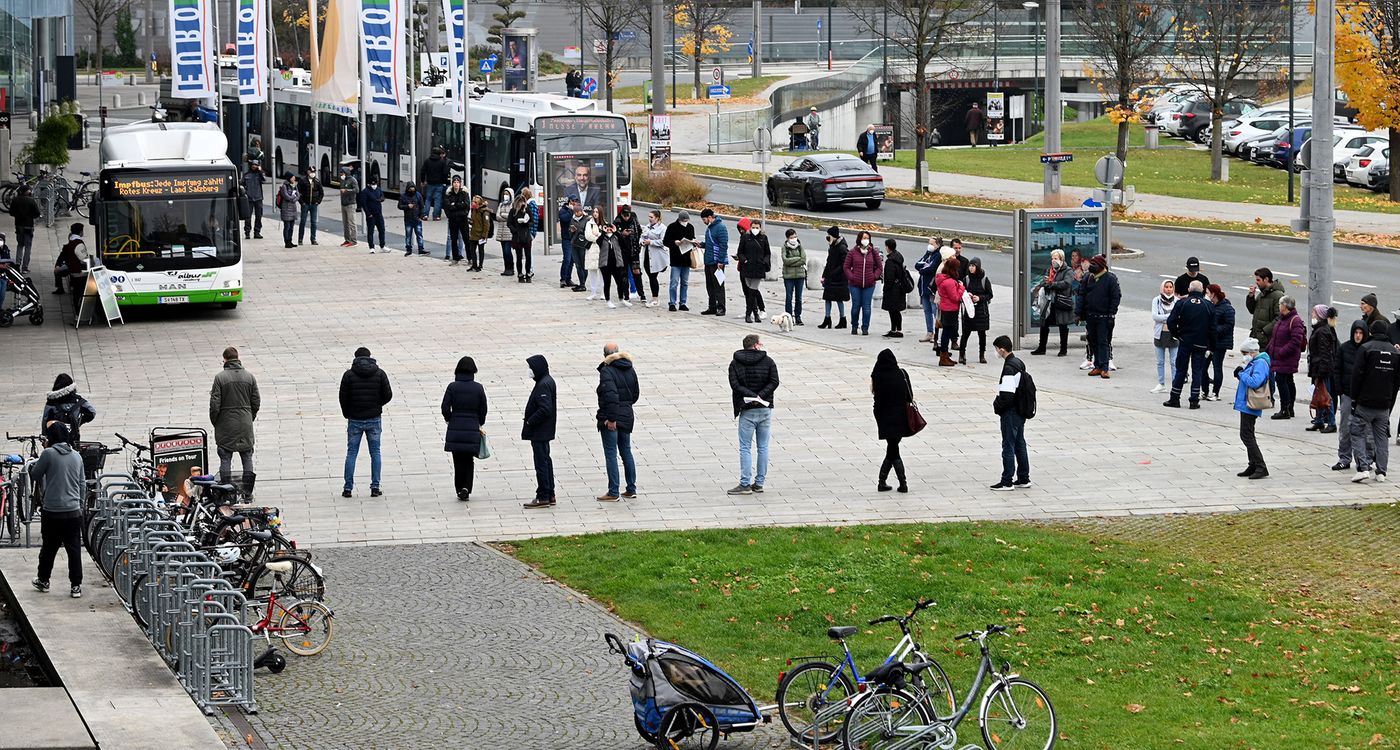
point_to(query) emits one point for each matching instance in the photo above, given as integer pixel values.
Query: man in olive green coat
(233, 405)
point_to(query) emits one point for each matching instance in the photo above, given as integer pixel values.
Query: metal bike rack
(151, 532)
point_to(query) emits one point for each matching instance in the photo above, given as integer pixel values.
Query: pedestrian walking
(1374, 386)
(679, 241)
(593, 236)
(973, 122)
(364, 390)
(504, 233)
(656, 258)
(1262, 302)
(618, 390)
(892, 302)
(24, 209)
(479, 233)
(59, 470)
(1165, 344)
(580, 246)
(566, 235)
(1285, 348)
(1252, 374)
(755, 258)
(234, 401)
(1101, 297)
(65, 405)
(286, 200)
(1222, 340)
(794, 275)
(1057, 302)
(950, 296)
(457, 204)
(464, 409)
(1346, 396)
(1369, 311)
(893, 394)
(1182, 285)
(372, 201)
(866, 148)
(753, 380)
(1013, 390)
(835, 287)
(927, 266)
(541, 414)
(716, 260)
(1322, 367)
(1191, 322)
(436, 175)
(349, 201)
(252, 187)
(863, 268)
(520, 217)
(979, 287)
(312, 192)
(411, 203)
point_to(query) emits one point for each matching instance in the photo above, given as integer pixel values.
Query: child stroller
(680, 700)
(27, 299)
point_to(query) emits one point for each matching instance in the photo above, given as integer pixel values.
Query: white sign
(717, 75)
(106, 294)
(600, 46)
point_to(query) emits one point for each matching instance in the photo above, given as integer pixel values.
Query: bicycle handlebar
(884, 619)
(22, 438)
(127, 442)
(979, 634)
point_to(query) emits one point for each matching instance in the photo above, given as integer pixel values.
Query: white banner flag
(252, 51)
(455, 14)
(335, 86)
(194, 75)
(383, 57)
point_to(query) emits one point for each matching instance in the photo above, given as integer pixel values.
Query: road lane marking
(1348, 304)
(1128, 270)
(1283, 273)
(1213, 263)
(1357, 283)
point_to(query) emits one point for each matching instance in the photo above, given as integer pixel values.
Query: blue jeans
(1165, 354)
(1014, 459)
(928, 304)
(313, 211)
(287, 231)
(566, 263)
(680, 284)
(793, 305)
(754, 422)
(373, 429)
(507, 255)
(412, 228)
(861, 298)
(433, 200)
(614, 442)
(840, 308)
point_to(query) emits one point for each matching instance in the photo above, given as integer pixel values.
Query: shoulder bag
(911, 409)
(1259, 398)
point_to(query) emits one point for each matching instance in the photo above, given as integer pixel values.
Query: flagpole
(412, 84)
(270, 137)
(315, 63)
(218, 70)
(466, 100)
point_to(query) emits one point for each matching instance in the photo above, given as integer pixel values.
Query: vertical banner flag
(335, 82)
(192, 49)
(382, 52)
(252, 51)
(455, 14)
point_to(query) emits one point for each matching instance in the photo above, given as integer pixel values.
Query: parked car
(822, 179)
(1380, 179)
(1252, 128)
(1165, 103)
(1365, 161)
(1261, 151)
(1192, 121)
(1344, 143)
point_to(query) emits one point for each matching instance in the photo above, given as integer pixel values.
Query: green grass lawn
(1165, 633)
(739, 87)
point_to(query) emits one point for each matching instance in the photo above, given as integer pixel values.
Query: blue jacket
(1101, 295)
(1224, 335)
(1253, 375)
(1192, 321)
(566, 218)
(373, 200)
(716, 243)
(927, 266)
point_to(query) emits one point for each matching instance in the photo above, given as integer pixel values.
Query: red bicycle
(306, 628)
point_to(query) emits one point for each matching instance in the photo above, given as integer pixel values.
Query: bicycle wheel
(689, 726)
(140, 600)
(8, 510)
(1017, 715)
(882, 719)
(938, 691)
(92, 532)
(302, 582)
(306, 628)
(814, 693)
(108, 552)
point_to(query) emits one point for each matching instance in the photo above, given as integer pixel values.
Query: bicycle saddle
(887, 674)
(841, 632)
(261, 536)
(279, 566)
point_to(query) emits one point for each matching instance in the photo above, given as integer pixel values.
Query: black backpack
(1025, 396)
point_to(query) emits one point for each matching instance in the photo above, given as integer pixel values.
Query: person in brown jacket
(480, 233)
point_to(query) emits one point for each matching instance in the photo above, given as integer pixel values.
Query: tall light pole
(996, 49)
(658, 66)
(1318, 178)
(829, 56)
(1053, 110)
(1292, 21)
(1031, 6)
(673, 59)
(757, 38)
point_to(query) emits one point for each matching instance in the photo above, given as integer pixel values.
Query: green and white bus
(166, 215)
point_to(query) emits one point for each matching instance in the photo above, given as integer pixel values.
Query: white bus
(166, 215)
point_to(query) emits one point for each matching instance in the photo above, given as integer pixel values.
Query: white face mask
(753, 230)
(865, 243)
(792, 242)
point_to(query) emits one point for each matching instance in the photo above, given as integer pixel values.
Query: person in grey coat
(60, 469)
(233, 406)
(1057, 305)
(288, 197)
(252, 187)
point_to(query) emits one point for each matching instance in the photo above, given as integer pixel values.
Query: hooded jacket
(1101, 295)
(66, 406)
(752, 374)
(457, 205)
(1286, 344)
(542, 408)
(755, 256)
(411, 203)
(889, 386)
(617, 391)
(464, 410)
(893, 301)
(1346, 358)
(1322, 351)
(1223, 335)
(950, 292)
(835, 288)
(60, 469)
(716, 243)
(1377, 376)
(435, 171)
(233, 406)
(979, 286)
(794, 261)
(364, 390)
(372, 198)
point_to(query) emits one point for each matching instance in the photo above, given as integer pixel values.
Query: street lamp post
(1031, 6)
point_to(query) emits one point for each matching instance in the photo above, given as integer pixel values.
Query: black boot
(1064, 342)
(899, 472)
(1044, 337)
(826, 322)
(841, 324)
(249, 479)
(884, 486)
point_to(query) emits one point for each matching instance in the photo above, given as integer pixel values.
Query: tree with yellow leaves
(703, 30)
(1368, 68)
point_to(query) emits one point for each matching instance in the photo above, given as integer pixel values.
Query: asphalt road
(1228, 260)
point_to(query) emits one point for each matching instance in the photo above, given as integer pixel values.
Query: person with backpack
(66, 406)
(1014, 404)
(889, 384)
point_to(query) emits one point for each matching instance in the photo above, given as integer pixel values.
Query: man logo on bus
(583, 190)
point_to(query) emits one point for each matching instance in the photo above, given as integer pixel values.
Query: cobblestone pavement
(454, 646)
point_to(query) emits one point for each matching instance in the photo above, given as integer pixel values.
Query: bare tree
(1218, 41)
(922, 31)
(611, 18)
(1124, 40)
(103, 15)
(702, 30)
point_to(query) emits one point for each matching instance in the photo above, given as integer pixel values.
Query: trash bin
(75, 141)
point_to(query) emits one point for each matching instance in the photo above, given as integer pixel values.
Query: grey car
(822, 179)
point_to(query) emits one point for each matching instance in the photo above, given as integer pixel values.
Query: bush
(676, 188)
(50, 144)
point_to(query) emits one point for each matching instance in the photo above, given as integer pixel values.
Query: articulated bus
(166, 214)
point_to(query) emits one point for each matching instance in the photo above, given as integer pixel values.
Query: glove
(1238, 370)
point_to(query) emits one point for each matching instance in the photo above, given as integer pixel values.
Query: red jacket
(864, 269)
(950, 292)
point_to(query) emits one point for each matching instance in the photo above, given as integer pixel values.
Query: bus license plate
(173, 300)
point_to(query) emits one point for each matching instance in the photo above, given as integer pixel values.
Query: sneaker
(1341, 466)
(1087, 364)
(629, 494)
(376, 492)
(1003, 487)
(347, 493)
(538, 503)
(371, 251)
(41, 585)
(76, 592)
(742, 489)
(1112, 367)
(1159, 388)
(756, 487)
(1194, 405)
(608, 498)
(626, 303)
(1361, 476)
(591, 297)
(1328, 429)
(671, 308)
(683, 308)
(1022, 485)
(1380, 476)
(613, 305)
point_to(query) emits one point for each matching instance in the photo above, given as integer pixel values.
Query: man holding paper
(753, 377)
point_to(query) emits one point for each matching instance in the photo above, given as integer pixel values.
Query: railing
(728, 129)
(796, 99)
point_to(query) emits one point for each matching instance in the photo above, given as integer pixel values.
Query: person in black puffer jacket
(617, 392)
(464, 410)
(1374, 385)
(66, 406)
(980, 287)
(541, 413)
(753, 379)
(364, 390)
(1322, 365)
(1344, 395)
(835, 288)
(459, 208)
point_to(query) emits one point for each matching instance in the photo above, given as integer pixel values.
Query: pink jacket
(864, 269)
(950, 292)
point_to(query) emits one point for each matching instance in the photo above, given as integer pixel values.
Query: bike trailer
(665, 676)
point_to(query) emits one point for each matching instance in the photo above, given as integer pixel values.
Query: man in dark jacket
(1015, 461)
(349, 201)
(72, 263)
(459, 209)
(973, 122)
(25, 210)
(617, 392)
(436, 174)
(678, 239)
(716, 259)
(866, 148)
(372, 200)
(1369, 313)
(411, 203)
(1262, 303)
(753, 378)
(1346, 368)
(566, 264)
(1100, 295)
(234, 402)
(579, 244)
(1191, 321)
(312, 193)
(60, 470)
(1373, 389)
(541, 413)
(364, 390)
(252, 187)
(66, 406)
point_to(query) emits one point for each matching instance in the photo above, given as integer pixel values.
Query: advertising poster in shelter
(996, 116)
(1078, 233)
(659, 142)
(884, 142)
(589, 177)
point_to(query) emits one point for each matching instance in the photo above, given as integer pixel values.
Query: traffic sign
(590, 85)
(719, 91)
(717, 75)
(1056, 158)
(600, 46)
(762, 139)
(488, 65)
(1108, 170)
(819, 23)
(5, 120)
(625, 36)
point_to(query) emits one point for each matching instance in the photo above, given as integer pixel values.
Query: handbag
(1063, 302)
(483, 449)
(697, 259)
(1259, 398)
(911, 410)
(969, 308)
(1321, 399)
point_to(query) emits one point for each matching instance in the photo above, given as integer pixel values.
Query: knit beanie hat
(1371, 300)
(833, 232)
(1097, 263)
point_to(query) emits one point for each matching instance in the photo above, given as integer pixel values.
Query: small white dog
(783, 321)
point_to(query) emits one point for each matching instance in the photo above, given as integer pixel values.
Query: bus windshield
(579, 134)
(153, 222)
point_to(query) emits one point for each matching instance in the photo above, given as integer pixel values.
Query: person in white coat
(1162, 339)
(657, 257)
(591, 232)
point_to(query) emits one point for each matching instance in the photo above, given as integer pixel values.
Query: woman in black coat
(464, 409)
(835, 288)
(755, 257)
(893, 301)
(890, 385)
(980, 288)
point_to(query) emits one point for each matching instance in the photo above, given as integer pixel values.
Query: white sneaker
(371, 251)
(625, 303)
(591, 297)
(1088, 364)
(1380, 476)
(1111, 366)
(653, 303)
(612, 305)
(1361, 476)
(1159, 388)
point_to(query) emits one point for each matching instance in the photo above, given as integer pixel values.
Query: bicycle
(826, 690)
(1014, 712)
(22, 494)
(306, 628)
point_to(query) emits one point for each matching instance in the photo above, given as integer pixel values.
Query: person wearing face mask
(593, 235)
(580, 244)
(411, 203)
(794, 275)
(372, 198)
(835, 288)
(656, 256)
(927, 266)
(716, 258)
(678, 240)
(893, 302)
(950, 294)
(1057, 304)
(312, 193)
(287, 197)
(754, 258)
(566, 220)
(479, 233)
(504, 234)
(520, 217)
(612, 261)
(863, 268)
(980, 287)
(865, 147)
(1285, 347)
(457, 205)
(629, 233)
(1322, 366)
(349, 200)
(1252, 373)
(1345, 395)
(1163, 341)
(1222, 340)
